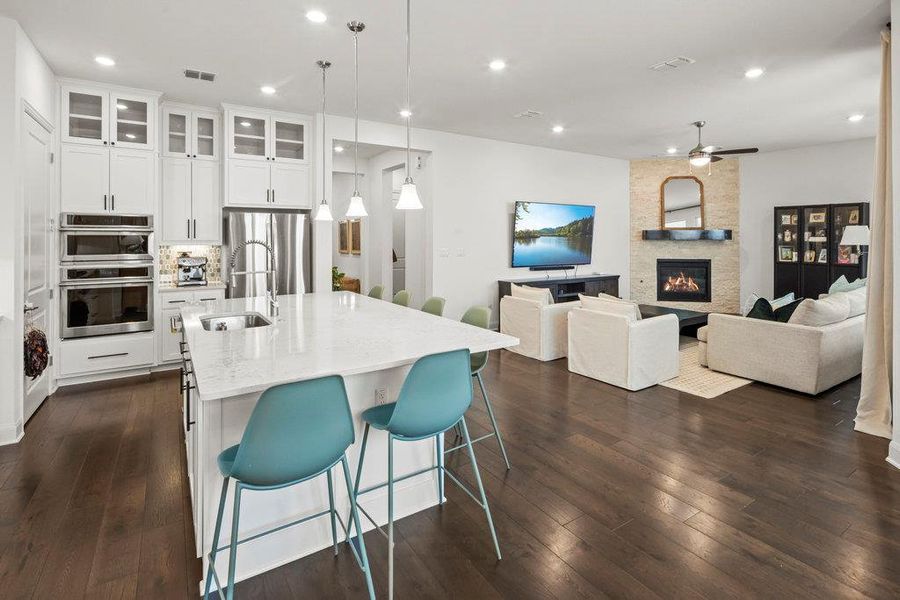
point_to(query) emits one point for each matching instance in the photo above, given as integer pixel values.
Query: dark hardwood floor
(655, 494)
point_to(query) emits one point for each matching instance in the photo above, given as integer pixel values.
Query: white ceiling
(583, 63)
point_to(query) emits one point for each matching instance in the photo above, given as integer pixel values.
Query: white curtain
(873, 414)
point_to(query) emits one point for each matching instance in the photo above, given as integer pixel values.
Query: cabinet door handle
(195, 229)
(112, 202)
(104, 142)
(104, 201)
(273, 195)
(177, 301)
(267, 193)
(189, 228)
(108, 355)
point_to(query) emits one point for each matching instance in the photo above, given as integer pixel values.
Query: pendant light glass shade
(409, 197)
(357, 208)
(324, 212)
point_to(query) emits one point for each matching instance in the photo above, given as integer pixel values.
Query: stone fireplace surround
(722, 211)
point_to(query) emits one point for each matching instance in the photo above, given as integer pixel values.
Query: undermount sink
(234, 321)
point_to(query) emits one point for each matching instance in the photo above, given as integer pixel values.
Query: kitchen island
(371, 343)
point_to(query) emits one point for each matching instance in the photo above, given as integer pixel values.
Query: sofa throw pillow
(833, 308)
(617, 299)
(776, 303)
(527, 292)
(763, 310)
(626, 309)
(857, 299)
(843, 285)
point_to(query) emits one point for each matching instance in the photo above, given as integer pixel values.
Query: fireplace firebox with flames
(683, 280)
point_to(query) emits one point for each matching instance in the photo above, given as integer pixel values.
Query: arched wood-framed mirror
(681, 204)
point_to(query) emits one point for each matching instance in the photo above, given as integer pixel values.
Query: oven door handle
(106, 283)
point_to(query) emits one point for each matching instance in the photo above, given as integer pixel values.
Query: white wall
(26, 79)
(827, 174)
(474, 183)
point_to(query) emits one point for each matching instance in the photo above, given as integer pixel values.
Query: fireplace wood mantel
(686, 235)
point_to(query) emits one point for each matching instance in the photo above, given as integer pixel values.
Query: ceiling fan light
(409, 196)
(700, 160)
(356, 208)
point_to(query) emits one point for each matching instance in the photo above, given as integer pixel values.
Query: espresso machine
(191, 270)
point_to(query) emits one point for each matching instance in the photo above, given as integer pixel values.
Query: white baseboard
(11, 433)
(893, 456)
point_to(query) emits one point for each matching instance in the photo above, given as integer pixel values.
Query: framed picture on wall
(355, 237)
(344, 237)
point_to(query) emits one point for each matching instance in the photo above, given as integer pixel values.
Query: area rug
(698, 380)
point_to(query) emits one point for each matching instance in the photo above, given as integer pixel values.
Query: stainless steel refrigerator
(289, 234)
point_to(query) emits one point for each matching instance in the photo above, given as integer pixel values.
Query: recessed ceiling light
(754, 72)
(105, 61)
(130, 136)
(856, 118)
(267, 89)
(121, 106)
(671, 150)
(316, 16)
(498, 64)
(245, 123)
(338, 149)
(406, 113)
(558, 129)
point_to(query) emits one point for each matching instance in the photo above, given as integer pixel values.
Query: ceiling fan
(701, 155)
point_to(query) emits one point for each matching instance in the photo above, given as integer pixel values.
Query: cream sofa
(541, 328)
(798, 357)
(628, 353)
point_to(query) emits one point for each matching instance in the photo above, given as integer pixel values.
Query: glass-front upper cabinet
(86, 115)
(104, 117)
(267, 136)
(190, 133)
(786, 234)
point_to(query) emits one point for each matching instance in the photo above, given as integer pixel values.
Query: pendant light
(356, 208)
(324, 212)
(409, 196)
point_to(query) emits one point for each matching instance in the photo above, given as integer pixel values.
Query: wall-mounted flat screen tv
(548, 235)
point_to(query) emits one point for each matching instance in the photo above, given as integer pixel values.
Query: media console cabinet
(565, 289)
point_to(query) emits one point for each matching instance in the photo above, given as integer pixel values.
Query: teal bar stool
(435, 396)
(376, 292)
(296, 432)
(402, 298)
(434, 306)
(480, 316)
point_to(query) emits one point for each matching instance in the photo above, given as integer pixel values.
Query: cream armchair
(541, 328)
(621, 351)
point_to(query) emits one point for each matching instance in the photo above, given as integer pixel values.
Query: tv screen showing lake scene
(552, 234)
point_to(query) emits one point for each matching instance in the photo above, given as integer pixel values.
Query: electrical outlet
(380, 396)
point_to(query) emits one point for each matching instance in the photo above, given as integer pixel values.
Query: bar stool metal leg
(390, 516)
(331, 509)
(490, 410)
(215, 540)
(484, 502)
(439, 452)
(232, 550)
(354, 513)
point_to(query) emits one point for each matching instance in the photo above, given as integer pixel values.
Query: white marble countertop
(316, 335)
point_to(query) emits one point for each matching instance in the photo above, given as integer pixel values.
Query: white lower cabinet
(169, 327)
(105, 353)
(190, 201)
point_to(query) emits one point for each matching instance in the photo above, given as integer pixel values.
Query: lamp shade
(409, 197)
(855, 235)
(700, 159)
(324, 212)
(357, 208)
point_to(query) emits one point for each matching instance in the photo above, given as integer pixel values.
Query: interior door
(37, 265)
(176, 199)
(207, 226)
(131, 181)
(290, 185)
(84, 178)
(248, 183)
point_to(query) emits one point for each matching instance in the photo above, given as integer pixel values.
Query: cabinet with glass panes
(190, 132)
(269, 136)
(108, 116)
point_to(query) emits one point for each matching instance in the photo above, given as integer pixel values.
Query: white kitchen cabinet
(288, 139)
(290, 185)
(169, 328)
(84, 178)
(248, 183)
(131, 181)
(96, 179)
(191, 211)
(249, 134)
(98, 115)
(190, 132)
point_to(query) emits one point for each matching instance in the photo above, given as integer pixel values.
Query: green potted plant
(336, 277)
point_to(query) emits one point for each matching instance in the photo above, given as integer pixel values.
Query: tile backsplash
(168, 266)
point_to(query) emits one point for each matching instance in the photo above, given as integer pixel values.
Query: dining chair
(402, 298)
(434, 306)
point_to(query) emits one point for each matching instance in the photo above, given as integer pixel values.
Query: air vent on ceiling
(201, 75)
(672, 63)
(529, 114)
